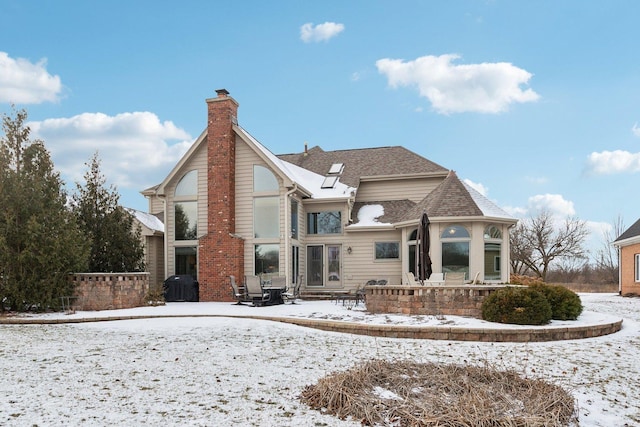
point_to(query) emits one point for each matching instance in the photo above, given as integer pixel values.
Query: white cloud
(137, 150)
(635, 129)
(554, 204)
(321, 32)
(480, 188)
(451, 88)
(611, 162)
(23, 82)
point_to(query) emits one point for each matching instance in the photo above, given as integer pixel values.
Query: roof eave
(372, 178)
(627, 242)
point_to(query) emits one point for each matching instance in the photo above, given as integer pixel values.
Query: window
(185, 208)
(637, 267)
(387, 250)
(266, 218)
(264, 179)
(188, 185)
(186, 261)
(324, 223)
(294, 219)
(492, 249)
(336, 169)
(186, 220)
(455, 249)
(329, 182)
(267, 259)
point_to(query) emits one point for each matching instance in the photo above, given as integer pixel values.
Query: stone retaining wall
(464, 300)
(101, 291)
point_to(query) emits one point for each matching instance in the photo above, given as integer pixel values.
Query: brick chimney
(221, 251)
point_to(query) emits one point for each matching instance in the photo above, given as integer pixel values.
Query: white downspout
(287, 233)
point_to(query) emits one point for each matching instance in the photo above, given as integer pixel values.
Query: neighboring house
(629, 262)
(152, 234)
(333, 218)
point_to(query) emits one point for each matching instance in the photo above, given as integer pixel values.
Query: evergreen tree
(116, 244)
(40, 243)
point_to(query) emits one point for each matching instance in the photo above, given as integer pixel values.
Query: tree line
(555, 252)
(46, 233)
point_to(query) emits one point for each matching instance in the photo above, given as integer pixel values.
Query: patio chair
(239, 292)
(411, 279)
(293, 294)
(381, 282)
(435, 279)
(254, 290)
(454, 278)
(279, 282)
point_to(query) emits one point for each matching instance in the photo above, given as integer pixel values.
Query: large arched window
(492, 252)
(455, 249)
(264, 179)
(186, 207)
(266, 221)
(185, 220)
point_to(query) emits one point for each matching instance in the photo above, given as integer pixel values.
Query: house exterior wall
(198, 163)
(154, 261)
(246, 159)
(225, 161)
(399, 189)
(361, 266)
(156, 205)
(628, 284)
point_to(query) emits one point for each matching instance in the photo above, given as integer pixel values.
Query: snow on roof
(148, 220)
(487, 207)
(307, 180)
(368, 216)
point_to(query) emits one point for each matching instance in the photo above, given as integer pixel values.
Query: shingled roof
(453, 198)
(380, 161)
(394, 210)
(630, 232)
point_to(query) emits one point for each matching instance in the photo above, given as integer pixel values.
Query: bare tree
(538, 241)
(608, 255)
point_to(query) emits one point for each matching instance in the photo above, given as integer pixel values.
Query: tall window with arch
(186, 207)
(185, 220)
(266, 221)
(455, 249)
(492, 252)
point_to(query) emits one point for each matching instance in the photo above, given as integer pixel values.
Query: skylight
(329, 182)
(336, 169)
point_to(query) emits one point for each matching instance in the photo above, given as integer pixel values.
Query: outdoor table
(275, 295)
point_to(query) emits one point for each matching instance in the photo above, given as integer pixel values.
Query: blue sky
(536, 103)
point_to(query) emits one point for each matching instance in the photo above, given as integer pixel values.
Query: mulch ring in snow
(406, 393)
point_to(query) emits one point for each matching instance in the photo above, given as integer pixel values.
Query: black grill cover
(181, 288)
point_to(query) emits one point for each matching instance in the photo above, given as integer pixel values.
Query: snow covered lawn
(220, 371)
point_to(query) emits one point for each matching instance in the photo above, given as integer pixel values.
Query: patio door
(324, 265)
(315, 265)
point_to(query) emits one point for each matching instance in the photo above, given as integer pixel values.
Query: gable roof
(365, 162)
(630, 235)
(309, 181)
(151, 221)
(454, 198)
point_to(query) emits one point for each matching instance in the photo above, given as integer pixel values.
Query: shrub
(565, 304)
(520, 306)
(517, 279)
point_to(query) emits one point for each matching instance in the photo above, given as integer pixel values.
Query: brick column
(221, 253)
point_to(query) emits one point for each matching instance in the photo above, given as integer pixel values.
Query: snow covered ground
(222, 371)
